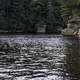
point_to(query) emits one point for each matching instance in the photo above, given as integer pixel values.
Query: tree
(23, 15)
(69, 8)
(55, 21)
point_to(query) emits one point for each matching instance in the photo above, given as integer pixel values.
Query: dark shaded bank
(15, 32)
(38, 30)
(26, 33)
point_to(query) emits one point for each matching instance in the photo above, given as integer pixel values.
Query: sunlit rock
(73, 27)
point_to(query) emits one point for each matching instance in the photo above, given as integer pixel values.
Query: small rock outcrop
(73, 27)
(41, 27)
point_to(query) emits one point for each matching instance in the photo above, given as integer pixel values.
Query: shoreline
(34, 35)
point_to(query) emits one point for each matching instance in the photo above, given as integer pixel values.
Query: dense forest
(23, 15)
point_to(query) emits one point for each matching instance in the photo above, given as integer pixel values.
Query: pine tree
(54, 17)
(23, 15)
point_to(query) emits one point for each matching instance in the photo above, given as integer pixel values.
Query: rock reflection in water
(38, 58)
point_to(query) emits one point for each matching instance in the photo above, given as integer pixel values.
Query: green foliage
(23, 15)
(55, 21)
(69, 8)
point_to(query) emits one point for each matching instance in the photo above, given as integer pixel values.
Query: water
(39, 57)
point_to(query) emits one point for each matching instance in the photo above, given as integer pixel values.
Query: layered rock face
(73, 27)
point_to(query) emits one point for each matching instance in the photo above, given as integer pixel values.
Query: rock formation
(73, 27)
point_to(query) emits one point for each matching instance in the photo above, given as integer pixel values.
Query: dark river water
(39, 57)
